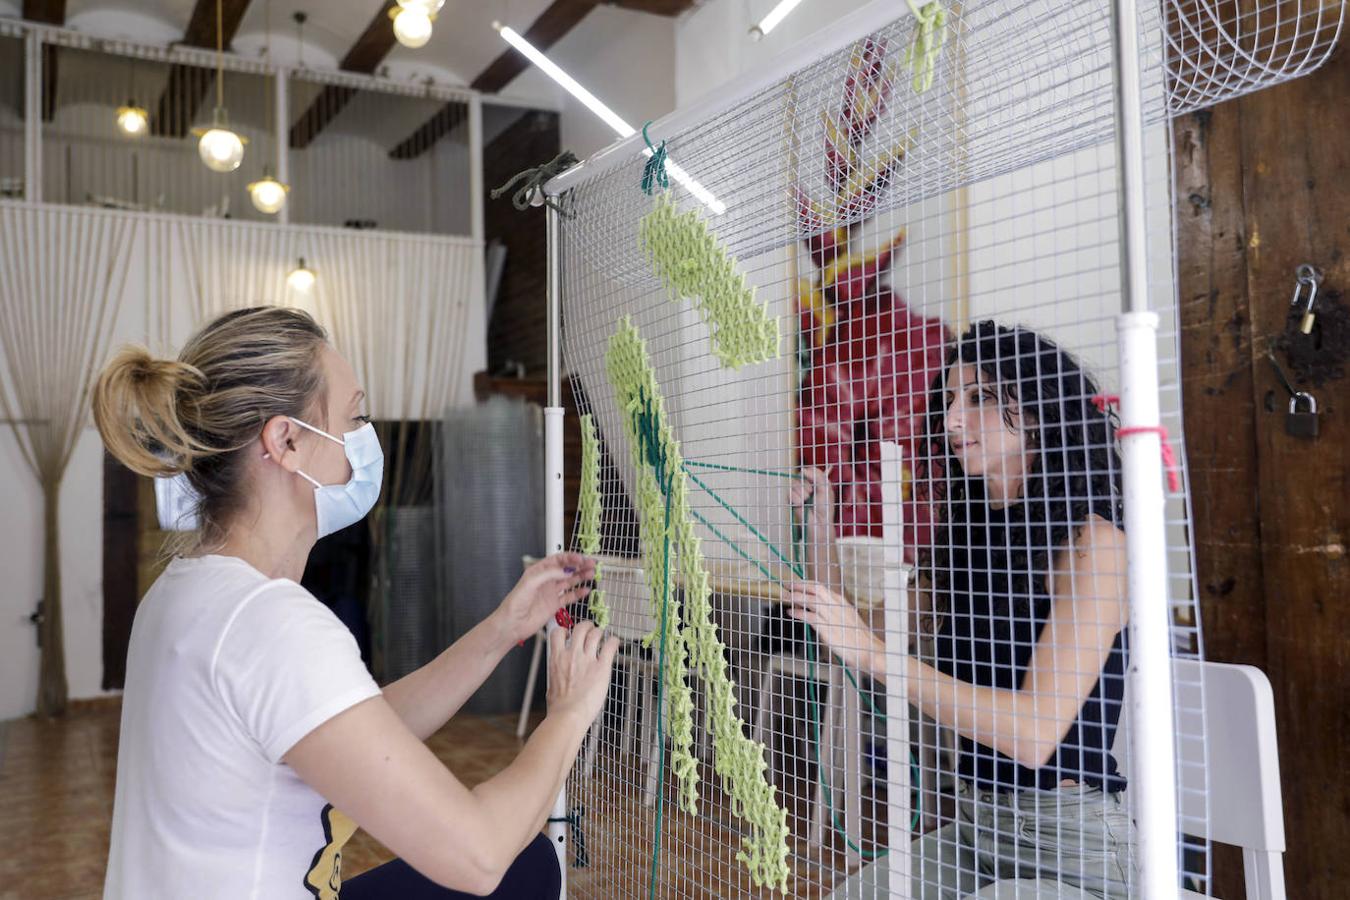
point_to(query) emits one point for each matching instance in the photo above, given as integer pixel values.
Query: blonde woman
(253, 740)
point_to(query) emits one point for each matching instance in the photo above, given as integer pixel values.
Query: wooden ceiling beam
(560, 17)
(187, 86)
(667, 8)
(365, 57)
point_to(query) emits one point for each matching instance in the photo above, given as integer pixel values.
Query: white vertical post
(476, 192)
(553, 471)
(1152, 738)
(32, 117)
(896, 600)
(282, 125)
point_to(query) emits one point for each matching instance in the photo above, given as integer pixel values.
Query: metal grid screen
(870, 573)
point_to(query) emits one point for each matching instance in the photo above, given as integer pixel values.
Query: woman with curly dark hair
(1026, 580)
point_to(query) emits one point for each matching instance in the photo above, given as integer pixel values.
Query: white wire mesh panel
(935, 443)
(1217, 49)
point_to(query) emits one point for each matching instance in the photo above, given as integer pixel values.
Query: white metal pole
(476, 200)
(282, 125)
(1152, 738)
(896, 599)
(553, 480)
(32, 117)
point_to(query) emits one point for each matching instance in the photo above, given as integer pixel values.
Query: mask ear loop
(336, 440)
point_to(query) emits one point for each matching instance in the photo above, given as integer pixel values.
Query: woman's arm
(427, 698)
(366, 762)
(1088, 610)
(812, 500)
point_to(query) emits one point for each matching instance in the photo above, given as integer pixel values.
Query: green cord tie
(580, 859)
(534, 180)
(654, 173)
(930, 33)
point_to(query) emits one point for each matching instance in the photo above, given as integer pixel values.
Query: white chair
(838, 733)
(1229, 784)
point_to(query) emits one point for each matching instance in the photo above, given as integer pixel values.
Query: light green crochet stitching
(588, 514)
(665, 519)
(694, 265)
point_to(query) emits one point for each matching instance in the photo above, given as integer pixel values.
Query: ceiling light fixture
(132, 120)
(412, 21)
(770, 22)
(268, 194)
(220, 148)
(609, 116)
(301, 279)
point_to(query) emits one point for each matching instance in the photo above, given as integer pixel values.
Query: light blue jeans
(1070, 842)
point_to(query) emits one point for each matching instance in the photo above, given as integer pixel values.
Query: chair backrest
(1229, 781)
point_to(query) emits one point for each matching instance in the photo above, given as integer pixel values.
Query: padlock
(1302, 418)
(1309, 277)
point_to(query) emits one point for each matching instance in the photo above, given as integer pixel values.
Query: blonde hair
(195, 414)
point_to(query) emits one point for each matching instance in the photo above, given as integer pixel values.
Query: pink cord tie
(1169, 456)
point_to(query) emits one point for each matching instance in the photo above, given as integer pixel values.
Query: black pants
(533, 876)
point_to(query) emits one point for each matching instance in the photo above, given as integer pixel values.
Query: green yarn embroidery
(588, 514)
(694, 265)
(665, 520)
(930, 33)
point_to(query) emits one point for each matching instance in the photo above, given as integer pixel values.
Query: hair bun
(137, 404)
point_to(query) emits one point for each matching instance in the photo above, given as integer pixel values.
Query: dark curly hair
(1005, 554)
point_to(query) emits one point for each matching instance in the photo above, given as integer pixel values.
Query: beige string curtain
(401, 310)
(63, 273)
(405, 309)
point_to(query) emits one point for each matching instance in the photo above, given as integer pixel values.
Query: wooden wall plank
(1270, 160)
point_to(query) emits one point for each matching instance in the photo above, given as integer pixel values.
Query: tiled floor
(56, 793)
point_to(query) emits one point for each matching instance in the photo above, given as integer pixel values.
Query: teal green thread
(588, 514)
(654, 172)
(930, 33)
(739, 518)
(695, 266)
(773, 473)
(660, 719)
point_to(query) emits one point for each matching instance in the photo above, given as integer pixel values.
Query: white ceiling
(462, 45)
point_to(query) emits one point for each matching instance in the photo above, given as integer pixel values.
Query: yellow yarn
(691, 634)
(694, 265)
(588, 514)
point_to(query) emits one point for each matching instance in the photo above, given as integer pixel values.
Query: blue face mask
(335, 505)
(338, 505)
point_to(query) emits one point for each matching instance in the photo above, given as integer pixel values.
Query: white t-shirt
(227, 670)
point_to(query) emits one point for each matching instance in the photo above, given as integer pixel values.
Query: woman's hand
(546, 587)
(579, 667)
(814, 486)
(839, 626)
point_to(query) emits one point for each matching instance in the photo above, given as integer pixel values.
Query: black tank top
(983, 642)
